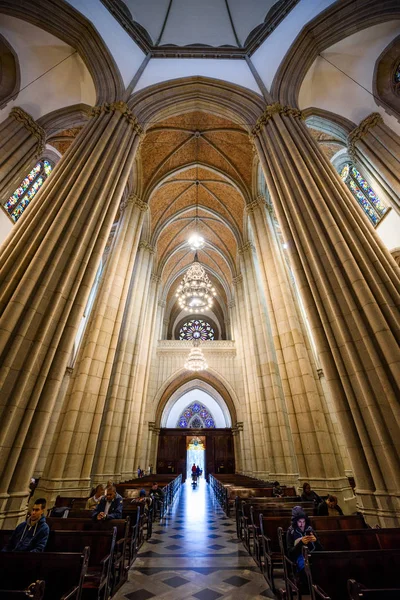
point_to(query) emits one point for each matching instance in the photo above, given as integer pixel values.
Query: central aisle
(194, 553)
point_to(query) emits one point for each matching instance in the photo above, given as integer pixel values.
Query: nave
(194, 553)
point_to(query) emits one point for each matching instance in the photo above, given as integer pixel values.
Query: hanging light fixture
(195, 292)
(196, 361)
(196, 241)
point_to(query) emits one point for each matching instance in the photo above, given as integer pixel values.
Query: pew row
(63, 573)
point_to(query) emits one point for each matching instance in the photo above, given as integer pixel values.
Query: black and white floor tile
(194, 554)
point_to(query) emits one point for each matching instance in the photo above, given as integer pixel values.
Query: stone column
(317, 451)
(70, 466)
(349, 284)
(114, 428)
(241, 334)
(278, 441)
(48, 268)
(22, 141)
(140, 411)
(376, 148)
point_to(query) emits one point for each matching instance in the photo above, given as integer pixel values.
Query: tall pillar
(349, 284)
(22, 141)
(317, 451)
(278, 441)
(241, 328)
(141, 411)
(376, 148)
(114, 427)
(70, 465)
(47, 270)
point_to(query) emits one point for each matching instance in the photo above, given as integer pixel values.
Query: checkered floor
(194, 553)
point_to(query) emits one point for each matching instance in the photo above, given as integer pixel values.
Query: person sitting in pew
(94, 500)
(157, 492)
(277, 491)
(143, 501)
(301, 534)
(329, 507)
(32, 535)
(109, 507)
(309, 495)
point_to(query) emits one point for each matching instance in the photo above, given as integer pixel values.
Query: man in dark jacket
(32, 535)
(109, 507)
(329, 507)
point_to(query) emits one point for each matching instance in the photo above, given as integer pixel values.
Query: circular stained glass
(196, 329)
(196, 416)
(397, 74)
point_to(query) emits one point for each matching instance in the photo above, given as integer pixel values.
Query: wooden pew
(35, 591)
(121, 559)
(102, 547)
(328, 572)
(63, 573)
(358, 591)
(271, 553)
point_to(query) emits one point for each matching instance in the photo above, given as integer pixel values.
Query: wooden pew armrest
(319, 592)
(72, 594)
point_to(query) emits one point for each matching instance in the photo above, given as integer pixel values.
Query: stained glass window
(196, 329)
(397, 74)
(17, 203)
(196, 416)
(373, 207)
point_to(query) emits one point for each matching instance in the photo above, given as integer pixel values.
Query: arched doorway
(196, 412)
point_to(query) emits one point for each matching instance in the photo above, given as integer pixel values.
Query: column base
(51, 488)
(379, 507)
(13, 509)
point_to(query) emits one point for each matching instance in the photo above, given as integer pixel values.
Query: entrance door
(195, 453)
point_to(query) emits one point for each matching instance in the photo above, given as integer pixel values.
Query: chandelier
(196, 361)
(195, 290)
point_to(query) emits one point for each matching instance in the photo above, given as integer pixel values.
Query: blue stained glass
(369, 211)
(371, 194)
(196, 416)
(196, 329)
(28, 188)
(397, 74)
(373, 207)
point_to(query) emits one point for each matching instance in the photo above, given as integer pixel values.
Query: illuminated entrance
(195, 453)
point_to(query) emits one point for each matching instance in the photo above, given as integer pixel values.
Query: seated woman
(95, 499)
(309, 495)
(301, 534)
(329, 507)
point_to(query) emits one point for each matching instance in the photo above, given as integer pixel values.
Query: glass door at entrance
(195, 453)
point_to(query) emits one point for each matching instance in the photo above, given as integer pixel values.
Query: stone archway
(219, 441)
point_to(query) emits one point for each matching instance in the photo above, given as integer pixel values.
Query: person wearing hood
(300, 534)
(32, 535)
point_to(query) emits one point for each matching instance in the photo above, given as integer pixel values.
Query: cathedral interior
(249, 148)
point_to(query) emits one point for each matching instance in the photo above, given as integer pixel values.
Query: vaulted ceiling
(197, 174)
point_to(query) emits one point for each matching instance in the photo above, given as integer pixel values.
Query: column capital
(362, 129)
(119, 106)
(152, 425)
(237, 280)
(162, 303)
(30, 125)
(232, 304)
(320, 373)
(155, 278)
(275, 109)
(133, 200)
(146, 246)
(247, 247)
(259, 202)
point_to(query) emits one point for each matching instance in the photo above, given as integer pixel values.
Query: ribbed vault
(197, 172)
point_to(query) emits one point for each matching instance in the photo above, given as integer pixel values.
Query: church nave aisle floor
(194, 553)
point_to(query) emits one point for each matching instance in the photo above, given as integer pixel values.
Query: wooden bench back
(77, 524)
(373, 568)
(60, 571)
(101, 543)
(360, 539)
